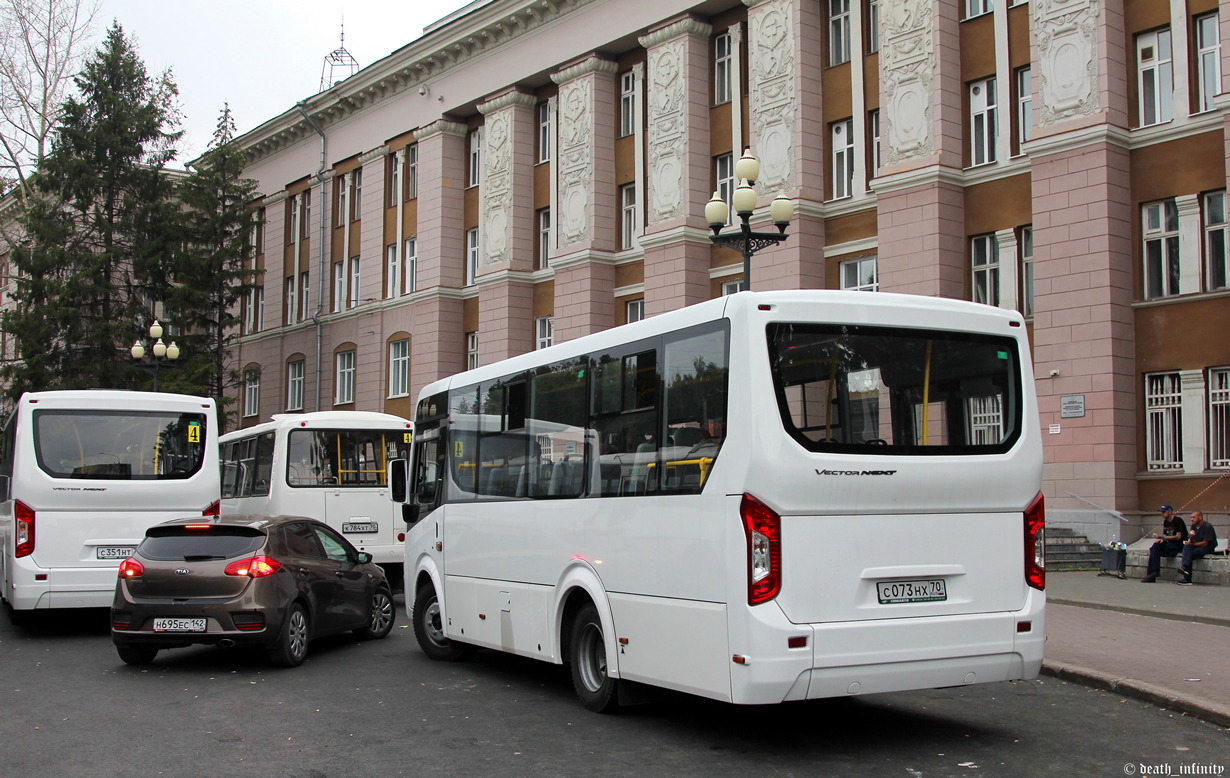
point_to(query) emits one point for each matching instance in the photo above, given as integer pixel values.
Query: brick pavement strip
(1179, 665)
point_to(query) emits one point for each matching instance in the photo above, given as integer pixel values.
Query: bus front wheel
(596, 690)
(429, 628)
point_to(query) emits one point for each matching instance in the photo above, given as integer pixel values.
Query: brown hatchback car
(276, 582)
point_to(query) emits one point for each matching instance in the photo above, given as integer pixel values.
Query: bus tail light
(254, 567)
(1035, 544)
(763, 528)
(213, 509)
(23, 515)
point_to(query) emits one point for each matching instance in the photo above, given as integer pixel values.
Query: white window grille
(839, 31)
(1164, 421)
(294, 385)
(1155, 74)
(399, 368)
(1219, 418)
(859, 275)
(1208, 60)
(984, 258)
(345, 378)
(843, 158)
(984, 128)
(1216, 275)
(723, 60)
(986, 420)
(1161, 250)
(544, 328)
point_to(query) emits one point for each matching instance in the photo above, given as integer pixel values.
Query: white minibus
(83, 474)
(764, 497)
(328, 465)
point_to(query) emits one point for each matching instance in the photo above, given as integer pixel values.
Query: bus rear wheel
(595, 688)
(429, 628)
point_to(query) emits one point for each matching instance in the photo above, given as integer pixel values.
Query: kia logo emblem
(182, 571)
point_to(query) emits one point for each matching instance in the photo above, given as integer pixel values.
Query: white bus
(329, 465)
(83, 474)
(764, 497)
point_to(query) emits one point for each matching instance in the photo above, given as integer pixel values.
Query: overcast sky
(261, 56)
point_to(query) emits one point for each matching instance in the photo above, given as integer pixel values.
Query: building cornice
(510, 98)
(669, 237)
(440, 127)
(580, 258)
(679, 29)
(591, 64)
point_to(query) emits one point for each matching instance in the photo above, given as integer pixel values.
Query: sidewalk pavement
(1161, 642)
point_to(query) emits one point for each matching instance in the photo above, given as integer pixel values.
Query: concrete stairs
(1067, 550)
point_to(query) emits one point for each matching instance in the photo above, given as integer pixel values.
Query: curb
(1191, 618)
(1130, 687)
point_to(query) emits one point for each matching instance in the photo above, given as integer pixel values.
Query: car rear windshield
(875, 390)
(119, 445)
(178, 543)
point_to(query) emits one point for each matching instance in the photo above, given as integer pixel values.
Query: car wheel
(292, 646)
(587, 660)
(135, 654)
(428, 629)
(380, 618)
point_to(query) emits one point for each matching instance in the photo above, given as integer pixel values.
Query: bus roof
(318, 419)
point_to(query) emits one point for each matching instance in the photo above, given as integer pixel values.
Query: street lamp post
(745, 241)
(158, 352)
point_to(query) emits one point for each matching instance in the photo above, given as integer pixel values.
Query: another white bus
(83, 474)
(329, 465)
(764, 497)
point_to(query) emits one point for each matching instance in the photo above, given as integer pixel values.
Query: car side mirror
(364, 557)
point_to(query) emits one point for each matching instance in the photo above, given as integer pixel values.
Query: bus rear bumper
(61, 588)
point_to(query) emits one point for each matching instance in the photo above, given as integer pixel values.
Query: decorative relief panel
(771, 73)
(907, 78)
(497, 189)
(668, 127)
(1067, 35)
(575, 159)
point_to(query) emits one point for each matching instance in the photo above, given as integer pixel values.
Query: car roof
(250, 520)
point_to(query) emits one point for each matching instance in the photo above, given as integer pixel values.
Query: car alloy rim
(382, 612)
(298, 633)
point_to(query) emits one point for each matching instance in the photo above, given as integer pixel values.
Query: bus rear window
(119, 445)
(876, 390)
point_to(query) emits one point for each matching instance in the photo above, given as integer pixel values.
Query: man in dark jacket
(1203, 540)
(1169, 543)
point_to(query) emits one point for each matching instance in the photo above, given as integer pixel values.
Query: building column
(1194, 399)
(586, 216)
(676, 243)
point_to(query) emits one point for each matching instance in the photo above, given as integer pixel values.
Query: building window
(343, 199)
(394, 179)
(339, 285)
(843, 158)
(634, 310)
(1024, 104)
(544, 238)
(392, 273)
(1155, 70)
(1161, 250)
(356, 200)
(978, 7)
(345, 378)
(732, 287)
(839, 31)
(476, 157)
(294, 206)
(873, 26)
(1025, 245)
(544, 132)
(354, 283)
(306, 222)
(305, 293)
(873, 127)
(859, 275)
(629, 227)
(412, 171)
(984, 253)
(1164, 421)
(723, 60)
(294, 385)
(471, 256)
(251, 392)
(1219, 418)
(399, 368)
(412, 265)
(254, 311)
(544, 332)
(471, 350)
(290, 300)
(983, 129)
(1215, 254)
(627, 103)
(1208, 60)
(724, 181)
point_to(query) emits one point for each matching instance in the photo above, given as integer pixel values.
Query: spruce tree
(213, 275)
(101, 230)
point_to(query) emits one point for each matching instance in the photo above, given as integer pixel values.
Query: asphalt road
(71, 708)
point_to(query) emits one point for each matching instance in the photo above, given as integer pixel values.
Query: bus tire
(429, 630)
(595, 688)
(135, 653)
(380, 617)
(292, 646)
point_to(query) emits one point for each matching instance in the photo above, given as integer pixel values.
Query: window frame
(1163, 399)
(843, 158)
(985, 275)
(723, 62)
(251, 393)
(627, 103)
(858, 266)
(1208, 60)
(1216, 240)
(399, 368)
(1218, 414)
(983, 121)
(295, 384)
(1163, 279)
(1159, 108)
(344, 377)
(839, 32)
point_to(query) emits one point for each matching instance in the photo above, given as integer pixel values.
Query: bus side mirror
(410, 513)
(397, 480)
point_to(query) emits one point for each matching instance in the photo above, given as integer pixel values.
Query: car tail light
(131, 568)
(198, 527)
(763, 528)
(254, 567)
(1035, 543)
(213, 509)
(24, 516)
(121, 621)
(246, 621)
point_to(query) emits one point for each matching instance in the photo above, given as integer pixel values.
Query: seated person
(1169, 543)
(1203, 540)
